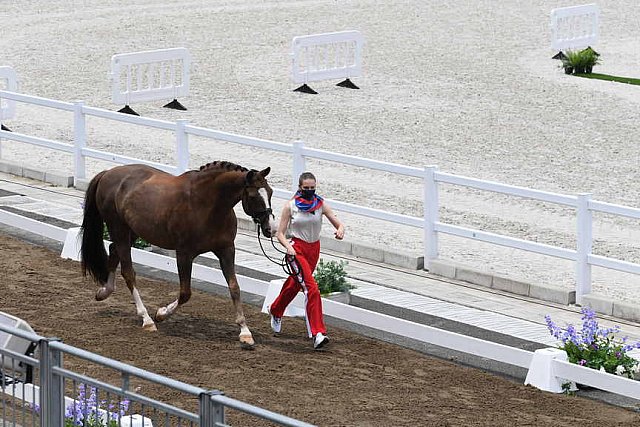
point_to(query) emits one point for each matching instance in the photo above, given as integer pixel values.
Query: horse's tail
(94, 256)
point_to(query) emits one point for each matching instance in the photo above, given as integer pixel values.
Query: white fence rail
(575, 27)
(150, 75)
(429, 222)
(326, 56)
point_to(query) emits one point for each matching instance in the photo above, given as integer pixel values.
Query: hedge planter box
(343, 297)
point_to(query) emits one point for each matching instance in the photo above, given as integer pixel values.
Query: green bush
(580, 61)
(331, 277)
(139, 243)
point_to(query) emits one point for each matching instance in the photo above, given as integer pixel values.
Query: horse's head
(256, 200)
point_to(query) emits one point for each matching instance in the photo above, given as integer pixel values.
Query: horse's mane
(222, 166)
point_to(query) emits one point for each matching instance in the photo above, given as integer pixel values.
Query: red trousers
(304, 264)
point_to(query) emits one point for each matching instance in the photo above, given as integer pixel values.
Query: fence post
(182, 146)
(211, 412)
(584, 242)
(298, 164)
(430, 208)
(51, 385)
(79, 142)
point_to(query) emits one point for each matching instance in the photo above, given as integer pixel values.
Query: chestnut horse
(191, 214)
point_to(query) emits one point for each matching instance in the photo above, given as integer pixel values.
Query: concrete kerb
(542, 292)
(49, 176)
(554, 294)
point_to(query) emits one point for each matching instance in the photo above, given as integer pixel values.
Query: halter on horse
(191, 214)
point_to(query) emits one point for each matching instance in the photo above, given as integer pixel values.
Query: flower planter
(343, 297)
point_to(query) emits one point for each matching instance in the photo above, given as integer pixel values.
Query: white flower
(602, 369)
(620, 370)
(636, 368)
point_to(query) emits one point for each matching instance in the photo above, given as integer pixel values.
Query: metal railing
(45, 401)
(429, 222)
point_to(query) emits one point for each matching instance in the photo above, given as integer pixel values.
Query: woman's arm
(285, 217)
(333, 219)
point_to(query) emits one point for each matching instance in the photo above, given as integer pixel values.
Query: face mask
(307, 194)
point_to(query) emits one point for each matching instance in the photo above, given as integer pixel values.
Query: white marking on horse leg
(147, 321)
(164, 312)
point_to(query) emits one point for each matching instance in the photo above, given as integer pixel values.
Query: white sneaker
(320, 341)
(276, 323)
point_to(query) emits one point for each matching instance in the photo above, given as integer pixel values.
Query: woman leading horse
(191, 213)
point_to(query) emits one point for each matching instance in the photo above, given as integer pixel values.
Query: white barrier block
(541, 375)
(10, 79)
(574, 27)
(326, 56)
(71, 248)
(150, 75)
(12, 342)
(295, 309)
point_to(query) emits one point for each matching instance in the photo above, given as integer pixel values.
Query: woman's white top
(305, 225)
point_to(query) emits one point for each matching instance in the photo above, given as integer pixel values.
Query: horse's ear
(250, 176)
(265, 172)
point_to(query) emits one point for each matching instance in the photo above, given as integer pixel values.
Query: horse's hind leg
(126, 269)
(106, 290)
(227, 264)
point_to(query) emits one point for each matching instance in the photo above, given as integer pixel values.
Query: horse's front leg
(227, 264)
(185, 263)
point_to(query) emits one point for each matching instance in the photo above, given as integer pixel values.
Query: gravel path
(469, 87)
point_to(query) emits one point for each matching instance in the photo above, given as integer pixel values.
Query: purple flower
(87, 411)
(591, 344)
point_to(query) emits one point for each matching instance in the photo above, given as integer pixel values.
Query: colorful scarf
(308, 205)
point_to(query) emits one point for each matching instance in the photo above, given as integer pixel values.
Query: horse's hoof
(247, 346)
(161, 314)
(151, 327)
(102, 294)
(247, 342)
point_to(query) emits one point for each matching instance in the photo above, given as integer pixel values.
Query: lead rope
(289, 263)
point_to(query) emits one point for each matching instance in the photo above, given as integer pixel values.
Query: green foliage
(566, 389)
(139, 243)
(610, 78)
(331, 277)
(596, 347)
(580, 61)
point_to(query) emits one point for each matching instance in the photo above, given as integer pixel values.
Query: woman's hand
(333, 219)
(291, 251)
